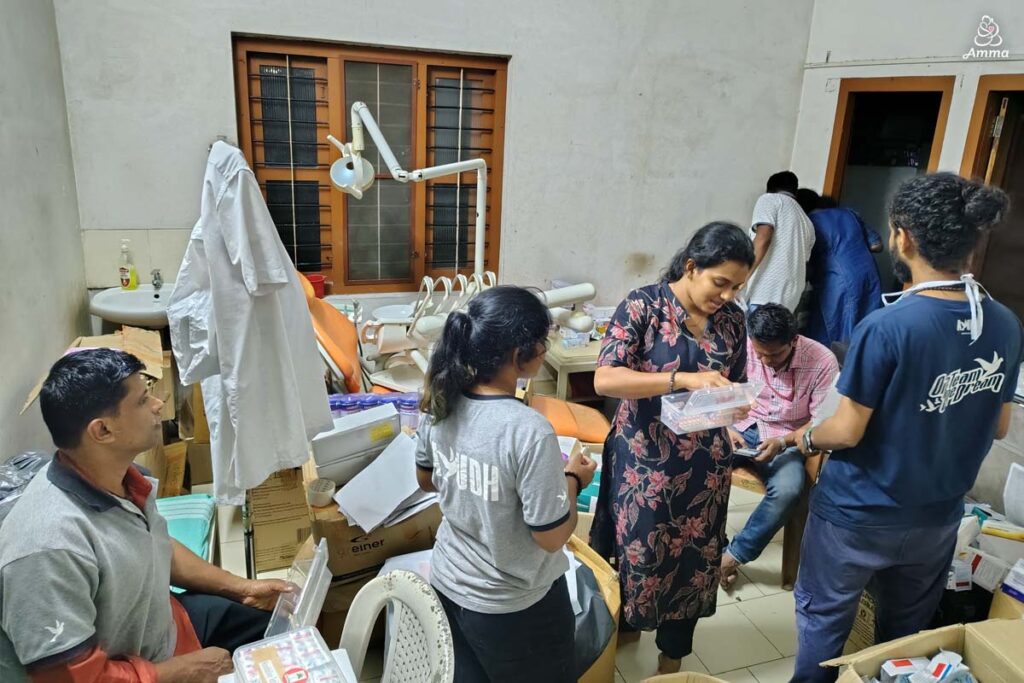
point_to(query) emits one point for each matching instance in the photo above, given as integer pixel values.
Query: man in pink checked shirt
(797, 374)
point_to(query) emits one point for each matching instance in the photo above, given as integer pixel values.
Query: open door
(995, 154)
(886, 131)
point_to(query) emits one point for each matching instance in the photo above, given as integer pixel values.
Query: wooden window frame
(842, 127)
(336, 54)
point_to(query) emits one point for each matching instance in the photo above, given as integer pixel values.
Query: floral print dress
(663, 500)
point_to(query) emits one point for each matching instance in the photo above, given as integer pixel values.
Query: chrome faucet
(158, 280)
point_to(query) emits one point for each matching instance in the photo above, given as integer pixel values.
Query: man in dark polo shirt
(86, 563)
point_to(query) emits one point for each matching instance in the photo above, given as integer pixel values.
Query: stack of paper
(386, 492)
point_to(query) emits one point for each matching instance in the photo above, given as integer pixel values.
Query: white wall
(876, 38)
(629, 125)
(42, 288)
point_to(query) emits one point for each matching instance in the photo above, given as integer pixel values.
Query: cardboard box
(355, 554)
(1005, 607)
(166, 387)
(990, 648)
(862, 635)
(145, 344)
(279, 517)
(200, 427)
(199, 463)
(166, 463)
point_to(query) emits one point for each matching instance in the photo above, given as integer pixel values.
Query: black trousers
(674, 638)
(535, 645)
(223, 623)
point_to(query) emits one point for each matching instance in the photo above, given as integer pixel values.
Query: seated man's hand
(767, 450)
(263, 594)
(202, 666)
(736, 439)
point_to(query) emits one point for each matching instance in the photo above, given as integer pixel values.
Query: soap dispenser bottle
(126, 271)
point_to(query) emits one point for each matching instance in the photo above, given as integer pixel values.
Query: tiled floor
(751, 639)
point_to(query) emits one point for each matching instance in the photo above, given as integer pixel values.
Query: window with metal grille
(432, 109)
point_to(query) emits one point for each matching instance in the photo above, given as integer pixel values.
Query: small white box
(959, 579)
(894, 668)
(353, 443)
(987, 570)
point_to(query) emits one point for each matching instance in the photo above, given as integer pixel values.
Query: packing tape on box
(320, 492)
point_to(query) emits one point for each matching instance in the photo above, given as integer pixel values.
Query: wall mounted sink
(142, 307)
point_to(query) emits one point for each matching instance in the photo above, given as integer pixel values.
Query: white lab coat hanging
(239, 324)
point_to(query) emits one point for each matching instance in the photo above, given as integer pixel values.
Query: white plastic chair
(419, 648)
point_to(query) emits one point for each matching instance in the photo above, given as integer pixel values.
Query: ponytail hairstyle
(714, 244)
(946, 215)
(479, 342)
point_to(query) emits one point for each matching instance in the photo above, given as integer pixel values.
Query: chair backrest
(420, 648)
(338, 336)
(307, 286)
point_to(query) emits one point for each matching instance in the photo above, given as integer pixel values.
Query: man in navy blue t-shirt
(926, 387)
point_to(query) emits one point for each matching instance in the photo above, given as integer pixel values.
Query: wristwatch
(808, 443)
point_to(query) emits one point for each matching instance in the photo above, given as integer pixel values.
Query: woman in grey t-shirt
(507, 496)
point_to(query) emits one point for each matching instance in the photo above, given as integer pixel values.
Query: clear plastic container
(367, 401)
(311, 579)
(572, 339)
(409, 412)
(697, 411)
(300, 655)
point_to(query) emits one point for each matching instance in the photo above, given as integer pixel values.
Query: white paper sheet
(570, 579)
(374, 494)
(1013, 494)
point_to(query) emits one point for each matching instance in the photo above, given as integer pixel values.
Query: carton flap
(924, 644)
(993, 650)
(144, 344)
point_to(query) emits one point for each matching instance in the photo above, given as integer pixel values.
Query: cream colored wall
(876, 38)
(42, 290)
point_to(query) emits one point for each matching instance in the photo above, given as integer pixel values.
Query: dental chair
(569, 419)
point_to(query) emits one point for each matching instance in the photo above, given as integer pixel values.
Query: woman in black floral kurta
(663, 500)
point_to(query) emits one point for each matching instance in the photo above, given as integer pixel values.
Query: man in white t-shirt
(783, 236)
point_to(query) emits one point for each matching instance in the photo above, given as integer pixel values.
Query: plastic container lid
(300, 655)
(301, 608)
(695, 411)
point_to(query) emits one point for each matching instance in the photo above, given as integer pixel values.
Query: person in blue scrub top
(926, 388)
(842, 271)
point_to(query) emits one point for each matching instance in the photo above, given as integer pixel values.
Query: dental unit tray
(704, 409)
(301, 608)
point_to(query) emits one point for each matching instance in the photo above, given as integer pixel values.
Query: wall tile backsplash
(163, 249)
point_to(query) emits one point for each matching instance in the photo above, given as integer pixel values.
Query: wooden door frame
(980, 116)
(986, 86)
(841, 128)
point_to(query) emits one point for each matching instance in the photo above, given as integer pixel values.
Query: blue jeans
(909, 568)
(784, 482)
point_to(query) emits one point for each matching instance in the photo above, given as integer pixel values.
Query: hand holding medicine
(767, 450)
(581, 467)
